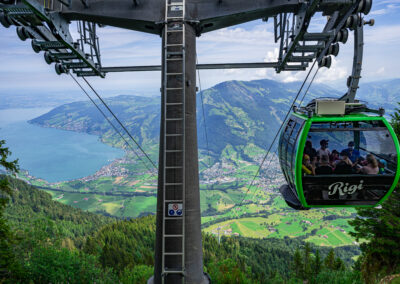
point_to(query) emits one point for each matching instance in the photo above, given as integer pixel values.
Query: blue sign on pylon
(175, 209)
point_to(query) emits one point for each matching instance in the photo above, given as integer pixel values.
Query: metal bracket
(85, 3)
(339, 26)
(354, 79)
(60, 29)
(68, 4)
(297, 32)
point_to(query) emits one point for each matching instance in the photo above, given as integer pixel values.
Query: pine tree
(307, 262)
(297, 264)
(381, 228)
(7, 238)
(329, 260)
(339, 264)
(317, 264)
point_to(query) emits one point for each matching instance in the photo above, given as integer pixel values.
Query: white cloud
(379, 12)
(232, 71)
(383, 35)
(392, 6)
(259, 35)
(381, 70)
(385, 2)
(337, 72)
(385, 7)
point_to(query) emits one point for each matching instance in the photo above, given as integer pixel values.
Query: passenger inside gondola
(344, 166)
(310, 151)
(353, 154)
(347, 150)
(324, 168)
(334, 158)
(308, 168)
(324, 149)
(371, 168)
(382, 164)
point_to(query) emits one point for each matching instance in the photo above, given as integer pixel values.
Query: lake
(52, 154)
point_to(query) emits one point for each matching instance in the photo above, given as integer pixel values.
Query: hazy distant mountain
(239, 112)
(236, 112)
(28, 100)
(139, 114)
(384, 94)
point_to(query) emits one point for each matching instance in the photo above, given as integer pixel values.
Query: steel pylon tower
(178, 255)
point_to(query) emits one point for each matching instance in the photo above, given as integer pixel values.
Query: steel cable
(204, 114)
(120, 123)
(277, 133)
(113, 126)
(306, 92)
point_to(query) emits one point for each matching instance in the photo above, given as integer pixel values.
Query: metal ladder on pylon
(173, 243)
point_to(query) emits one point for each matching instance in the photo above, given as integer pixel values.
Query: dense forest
(55, 243)
(32, 208)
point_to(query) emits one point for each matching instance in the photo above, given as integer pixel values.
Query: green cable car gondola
(356, 162)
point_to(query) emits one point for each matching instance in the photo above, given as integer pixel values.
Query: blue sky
(24, 72)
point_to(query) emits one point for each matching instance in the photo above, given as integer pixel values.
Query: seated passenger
(307, 167)
(324, 149)
(382, 165)
(334, 157)
(353, 154)
(310, 151)
(372, 166)
(324, 167)
(344, 166)
(361, 161)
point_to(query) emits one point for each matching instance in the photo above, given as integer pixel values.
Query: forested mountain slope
(29, 207)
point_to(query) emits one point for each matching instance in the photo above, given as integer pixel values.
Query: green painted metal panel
(397, 145)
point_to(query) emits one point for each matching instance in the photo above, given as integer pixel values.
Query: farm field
(228, 207)
(309, 225)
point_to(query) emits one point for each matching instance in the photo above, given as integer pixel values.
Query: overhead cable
(305, 94)
(277, 133)
(204, 114)
(269, 164)
(120, 123)
(113, 126)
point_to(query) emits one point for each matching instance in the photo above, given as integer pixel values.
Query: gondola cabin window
(352, 163)
(288, 148)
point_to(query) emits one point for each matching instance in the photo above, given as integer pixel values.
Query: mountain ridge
(246, 108)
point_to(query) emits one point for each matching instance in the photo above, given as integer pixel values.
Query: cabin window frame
(288, 144)
(348, 118)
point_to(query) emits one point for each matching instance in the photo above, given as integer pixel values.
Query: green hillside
(29, 207)
(238, 113)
